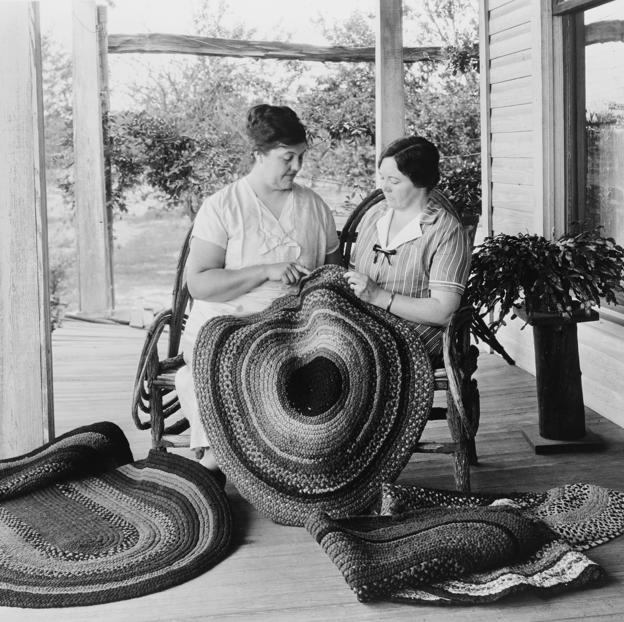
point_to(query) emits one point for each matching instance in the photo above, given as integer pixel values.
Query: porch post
(26, 405)
(389, 82)
(94, 271)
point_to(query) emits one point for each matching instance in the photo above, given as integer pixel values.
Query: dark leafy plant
(461, 184)
(556, 276)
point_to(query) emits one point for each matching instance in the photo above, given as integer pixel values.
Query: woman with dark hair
(412, 256)
(253, 240)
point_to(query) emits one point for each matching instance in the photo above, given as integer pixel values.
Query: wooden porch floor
(279, 573)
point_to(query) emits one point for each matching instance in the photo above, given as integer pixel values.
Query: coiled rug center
(314, 387)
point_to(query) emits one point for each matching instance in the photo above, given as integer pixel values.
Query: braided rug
(87, 450)
(582, 516)
(136, 529)
(379, 555)
(313, 402)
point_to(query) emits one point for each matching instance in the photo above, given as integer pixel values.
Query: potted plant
(552, 285)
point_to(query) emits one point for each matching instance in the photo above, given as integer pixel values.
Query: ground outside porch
(280, 573)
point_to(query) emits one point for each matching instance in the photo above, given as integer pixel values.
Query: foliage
(442, 104)
(557, 276)
(57, 103)
(462, 185)
(57, 281)
(463, 59)
(145, 148)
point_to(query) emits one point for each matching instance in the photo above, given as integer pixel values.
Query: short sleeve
(209, 223)
(451, 260)
(331, 232)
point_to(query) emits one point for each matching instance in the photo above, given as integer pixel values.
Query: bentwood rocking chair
(155, 405)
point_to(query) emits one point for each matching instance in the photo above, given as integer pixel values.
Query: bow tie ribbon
(385, 252)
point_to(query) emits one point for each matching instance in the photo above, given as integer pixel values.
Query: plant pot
(558, 374)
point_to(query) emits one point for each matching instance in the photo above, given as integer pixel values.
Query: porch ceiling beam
(158, 43)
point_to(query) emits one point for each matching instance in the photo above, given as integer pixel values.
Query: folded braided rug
(581, 515)
(379, 555)
(130, 530)
(313, 402)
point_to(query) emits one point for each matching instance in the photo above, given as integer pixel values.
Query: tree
(199, 100)
(57, 103)
(442, 101)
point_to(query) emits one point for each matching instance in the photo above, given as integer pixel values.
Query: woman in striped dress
(412, 255)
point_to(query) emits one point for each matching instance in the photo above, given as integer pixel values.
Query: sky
(175, 16)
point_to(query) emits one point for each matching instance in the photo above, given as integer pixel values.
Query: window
(594, 84)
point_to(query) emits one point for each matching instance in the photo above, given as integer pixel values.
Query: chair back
(180, 298)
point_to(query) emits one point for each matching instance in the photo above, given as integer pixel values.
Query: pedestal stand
(559, 388)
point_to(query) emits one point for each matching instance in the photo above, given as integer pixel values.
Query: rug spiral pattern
(312, 403)
(136, 529)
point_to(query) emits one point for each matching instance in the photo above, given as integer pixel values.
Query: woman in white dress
(253, 241)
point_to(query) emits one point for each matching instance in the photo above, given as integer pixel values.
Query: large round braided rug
(315, 401)
(137, 529)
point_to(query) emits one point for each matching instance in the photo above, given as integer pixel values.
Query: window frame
(569, 58)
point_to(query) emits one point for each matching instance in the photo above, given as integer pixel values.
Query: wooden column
(102, 29)
(94, 273)
(486, 119)
(26, 404)
(389, 82)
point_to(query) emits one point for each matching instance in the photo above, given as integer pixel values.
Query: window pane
(604, 129)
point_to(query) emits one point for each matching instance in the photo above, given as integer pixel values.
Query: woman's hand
(364, 287)
(288, 272)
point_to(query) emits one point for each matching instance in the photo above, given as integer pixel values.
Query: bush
(462, 186)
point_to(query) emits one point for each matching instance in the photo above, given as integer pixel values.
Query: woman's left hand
(363, 286)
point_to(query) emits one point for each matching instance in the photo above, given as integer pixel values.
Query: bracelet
(390, 302)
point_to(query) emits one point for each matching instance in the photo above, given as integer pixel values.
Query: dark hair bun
(269, 126)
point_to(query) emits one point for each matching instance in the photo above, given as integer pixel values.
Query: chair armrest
(454, 362)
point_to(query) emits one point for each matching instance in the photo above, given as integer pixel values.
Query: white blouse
(236, 220)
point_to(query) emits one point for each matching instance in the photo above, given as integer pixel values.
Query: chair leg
(461, 457)
(157, 418)
(462, 470)
(473, 410)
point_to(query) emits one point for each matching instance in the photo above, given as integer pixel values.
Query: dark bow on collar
(386, 253)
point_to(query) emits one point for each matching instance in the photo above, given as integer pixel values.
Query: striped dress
(430, 253)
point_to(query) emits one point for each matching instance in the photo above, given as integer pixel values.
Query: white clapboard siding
(509, 15)
(513, 144)
(511, 93)
(511, 40)
(511, 66)
(513, 171)
(602, 365)
(512, 118)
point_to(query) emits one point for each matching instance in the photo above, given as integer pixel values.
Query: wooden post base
(588, 442)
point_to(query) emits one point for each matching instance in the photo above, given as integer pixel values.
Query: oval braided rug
(313, 402)
(134, 530)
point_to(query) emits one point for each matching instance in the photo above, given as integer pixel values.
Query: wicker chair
(155, 405)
